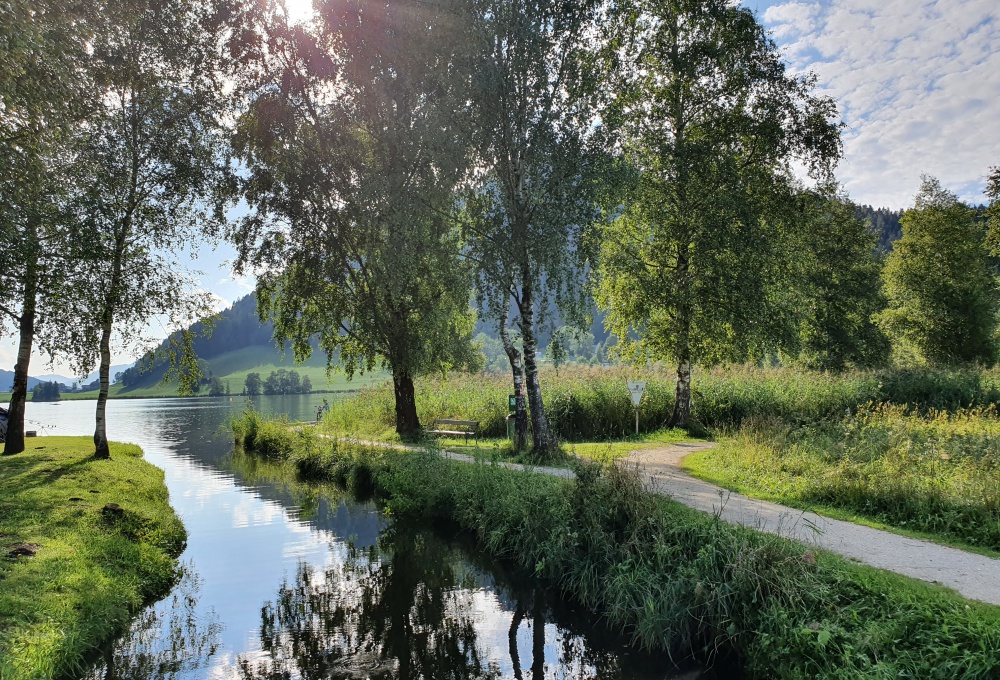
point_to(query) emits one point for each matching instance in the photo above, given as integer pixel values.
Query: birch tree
(706, 113)
(43, 78)
(539, 174)
(353, 149)
(149, 166)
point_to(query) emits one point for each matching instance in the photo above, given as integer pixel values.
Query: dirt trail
(974, 576)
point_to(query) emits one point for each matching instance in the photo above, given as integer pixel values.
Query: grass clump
(92, 568)
(679, 580)
(933, 473)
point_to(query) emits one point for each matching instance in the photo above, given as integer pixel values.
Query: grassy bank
(675, 579)
(72, 573)
(591, 403)
(934, 474)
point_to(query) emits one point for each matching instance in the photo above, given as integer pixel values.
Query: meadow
(586, 403)
(915, 451)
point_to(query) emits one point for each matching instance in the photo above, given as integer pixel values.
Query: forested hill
(884, 224)
(237, 328)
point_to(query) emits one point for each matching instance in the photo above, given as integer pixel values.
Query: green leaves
(710, 121)
(943, 298)
(352, 160)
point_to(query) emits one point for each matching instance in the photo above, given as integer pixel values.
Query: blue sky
(917, 83)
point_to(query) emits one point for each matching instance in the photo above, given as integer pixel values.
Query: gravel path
(974, 576)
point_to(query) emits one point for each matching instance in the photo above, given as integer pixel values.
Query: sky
(917, 84)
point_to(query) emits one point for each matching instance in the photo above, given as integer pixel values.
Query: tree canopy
(941, 290)
(707, 115)
(352, 153)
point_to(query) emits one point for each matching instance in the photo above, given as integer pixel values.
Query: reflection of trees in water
(400, 616)
(408, 609)
(164, 644)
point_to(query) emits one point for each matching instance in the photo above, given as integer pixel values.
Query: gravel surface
(974, 576)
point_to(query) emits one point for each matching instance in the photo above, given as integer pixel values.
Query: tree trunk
(520, 408)
(515, 655)
(26, 328)
(101, 448)
(538, 638)
(407, 422)
(681, 417)
(541, 437)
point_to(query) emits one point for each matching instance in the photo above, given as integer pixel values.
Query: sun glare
(299, 10)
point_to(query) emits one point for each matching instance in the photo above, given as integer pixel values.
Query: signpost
(636, 388)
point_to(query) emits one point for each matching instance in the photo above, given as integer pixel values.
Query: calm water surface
(287, 580)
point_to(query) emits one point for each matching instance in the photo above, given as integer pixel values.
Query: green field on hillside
(233, 367)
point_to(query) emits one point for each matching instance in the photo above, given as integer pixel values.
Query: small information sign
(636, 388)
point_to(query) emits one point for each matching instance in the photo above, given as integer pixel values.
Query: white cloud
(917, 82)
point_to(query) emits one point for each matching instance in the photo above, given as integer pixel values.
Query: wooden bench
(455, 428)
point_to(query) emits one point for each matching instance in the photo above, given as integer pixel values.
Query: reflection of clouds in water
(248, 535)
(251, 512)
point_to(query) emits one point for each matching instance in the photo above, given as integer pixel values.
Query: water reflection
(290, 580)
(164, 642)
(415, 606)
(365, 617)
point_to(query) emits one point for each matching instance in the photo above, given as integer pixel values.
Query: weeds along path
(974, 576)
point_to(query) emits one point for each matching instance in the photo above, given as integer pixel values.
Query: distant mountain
(50, 377)
(94, 375)
(7, 381)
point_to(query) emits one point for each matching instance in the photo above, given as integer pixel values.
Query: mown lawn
(73, 572)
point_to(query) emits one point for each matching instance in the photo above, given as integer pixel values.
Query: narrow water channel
(288, 580)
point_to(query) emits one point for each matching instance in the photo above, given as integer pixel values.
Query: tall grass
(591, 403)
(933, 472)
(678, 580)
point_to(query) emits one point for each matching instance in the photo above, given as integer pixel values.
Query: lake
(291, 580)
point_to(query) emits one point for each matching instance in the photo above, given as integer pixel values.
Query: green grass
(675, 579)
(933, 474)
(609, 451)
(235, 366)
(91, 572)
(592, 404)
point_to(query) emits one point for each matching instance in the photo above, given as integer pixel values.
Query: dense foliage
(710, 120)
(45, 391)
(941, 287)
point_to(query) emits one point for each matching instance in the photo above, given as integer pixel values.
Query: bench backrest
(473, 424)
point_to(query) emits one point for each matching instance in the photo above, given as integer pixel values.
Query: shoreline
(86, 544)
(5, 396)
(676, 579)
